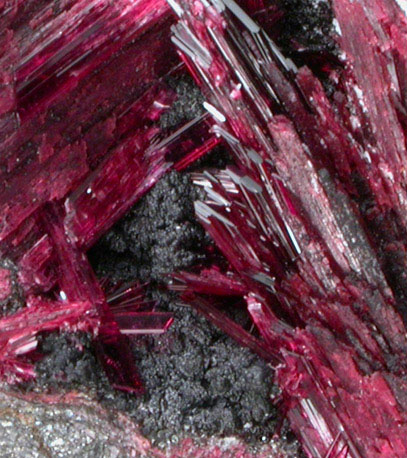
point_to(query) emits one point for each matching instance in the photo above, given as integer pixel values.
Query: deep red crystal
(311, 217)
(290, 216)
(82, 88)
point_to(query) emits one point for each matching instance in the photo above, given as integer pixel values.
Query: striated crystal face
(310, 218)
(311, 215)
(83, 86)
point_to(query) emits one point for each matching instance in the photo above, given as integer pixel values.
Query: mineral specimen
(311, 217)
(80, 142)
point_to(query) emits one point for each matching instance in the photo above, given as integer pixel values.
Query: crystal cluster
(83, 85)
(310, 218)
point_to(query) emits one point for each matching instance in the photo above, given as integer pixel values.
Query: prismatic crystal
(310, 218)
(83, 85)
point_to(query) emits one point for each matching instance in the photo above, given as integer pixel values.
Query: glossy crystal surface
(82, 88)
(310, 216)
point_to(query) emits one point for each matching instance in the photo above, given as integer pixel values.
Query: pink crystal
(80, 96)
(313, 271)
(311, 218)
(18, 332)
(5, 284)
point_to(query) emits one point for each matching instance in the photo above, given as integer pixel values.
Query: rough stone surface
(65, 428)
(79, 427)
(187, 106)
(157, 237)
(198, 381)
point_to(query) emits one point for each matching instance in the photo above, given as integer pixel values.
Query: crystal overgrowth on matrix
(80, 143)
(310, 218)
(291, 216)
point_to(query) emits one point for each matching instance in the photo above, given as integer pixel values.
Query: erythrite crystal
(5, 284)
(83, 86)
(311, 217)
(302, 215)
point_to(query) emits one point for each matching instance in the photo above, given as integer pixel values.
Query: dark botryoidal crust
(188, 105)
(308, 24)
(305, 35)
(198, 382)
(158, 236)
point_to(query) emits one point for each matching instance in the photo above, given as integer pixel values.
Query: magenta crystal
(18, 332)
(81, 92)
(311, 217)
(306, 253)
